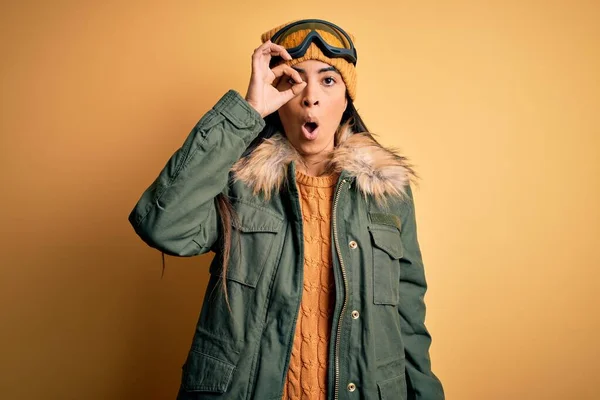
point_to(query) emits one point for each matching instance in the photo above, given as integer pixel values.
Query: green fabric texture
(244, 353)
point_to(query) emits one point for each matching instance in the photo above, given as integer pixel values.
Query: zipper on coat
(340, 319)
(291, 347)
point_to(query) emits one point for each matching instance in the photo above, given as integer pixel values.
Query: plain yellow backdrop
(495, 102)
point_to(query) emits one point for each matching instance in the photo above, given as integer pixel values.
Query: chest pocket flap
(385, 231)
(253, 218)
(253, 238)
(387, 250)
(388, 240)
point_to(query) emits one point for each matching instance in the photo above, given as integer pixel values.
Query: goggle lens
(339, 39)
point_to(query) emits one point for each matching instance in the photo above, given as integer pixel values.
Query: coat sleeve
(421, 381)
(177, 213)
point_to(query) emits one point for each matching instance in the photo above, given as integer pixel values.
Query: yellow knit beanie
(346, 69)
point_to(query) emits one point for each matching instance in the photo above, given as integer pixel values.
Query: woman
(318, 271)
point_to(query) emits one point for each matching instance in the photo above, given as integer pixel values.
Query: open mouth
(310, 130)
(311, 126)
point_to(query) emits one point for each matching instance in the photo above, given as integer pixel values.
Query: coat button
(355, 314)
(351, 387)
(353, 245)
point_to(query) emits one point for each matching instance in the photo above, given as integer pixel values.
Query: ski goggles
(331, 49)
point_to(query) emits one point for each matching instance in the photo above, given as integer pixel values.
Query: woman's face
(311, 119)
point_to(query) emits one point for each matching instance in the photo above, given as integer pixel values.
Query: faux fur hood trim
(378, 171)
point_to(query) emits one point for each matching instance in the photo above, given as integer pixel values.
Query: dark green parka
(379, 345)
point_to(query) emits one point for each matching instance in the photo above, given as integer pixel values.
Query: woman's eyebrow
(333, 69)
(328, 69)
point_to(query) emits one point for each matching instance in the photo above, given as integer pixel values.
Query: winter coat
(379, 346)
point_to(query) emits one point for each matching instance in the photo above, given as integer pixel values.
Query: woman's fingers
(273, 49)
(284, 69)
(289, 94)
(261, 94)
(295, 89)
(262, 55)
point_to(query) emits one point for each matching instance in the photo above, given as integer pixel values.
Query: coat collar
(378, 171)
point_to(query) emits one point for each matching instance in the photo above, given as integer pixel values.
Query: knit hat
(346, 69)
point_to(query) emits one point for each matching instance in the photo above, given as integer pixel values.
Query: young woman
(318, 273)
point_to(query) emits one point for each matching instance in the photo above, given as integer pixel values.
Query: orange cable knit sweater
(307, 373)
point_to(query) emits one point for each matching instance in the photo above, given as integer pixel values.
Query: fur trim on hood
(378, 171)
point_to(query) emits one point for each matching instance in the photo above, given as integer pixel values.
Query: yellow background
(496, 103)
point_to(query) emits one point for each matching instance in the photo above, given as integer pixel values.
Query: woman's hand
(261, 95)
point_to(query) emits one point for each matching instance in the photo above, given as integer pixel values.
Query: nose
(310, 96)
(308, 102)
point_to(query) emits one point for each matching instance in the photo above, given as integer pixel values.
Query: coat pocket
(205, 373)
(387, 250)
(393, 388)
(252, 238)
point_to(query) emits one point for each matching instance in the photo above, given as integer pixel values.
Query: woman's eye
(329, 81)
